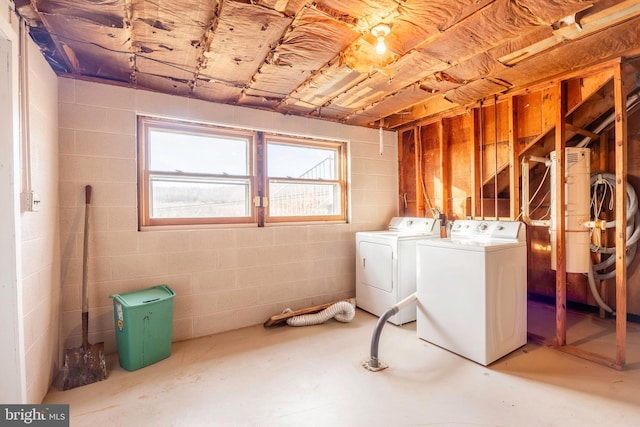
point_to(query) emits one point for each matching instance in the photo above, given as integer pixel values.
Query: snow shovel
(85, 364)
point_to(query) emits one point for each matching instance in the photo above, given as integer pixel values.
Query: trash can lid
(145, 296)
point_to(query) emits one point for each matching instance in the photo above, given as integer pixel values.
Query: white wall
(40, 232)
(12, 363)
(30, 245)
(224, 278)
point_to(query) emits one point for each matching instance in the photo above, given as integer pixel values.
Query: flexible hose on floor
(342, 311)
(374, 364)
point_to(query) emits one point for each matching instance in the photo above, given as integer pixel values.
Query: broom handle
(85, 247)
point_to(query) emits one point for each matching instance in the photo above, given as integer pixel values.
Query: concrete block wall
(225, 278)
(40, 245)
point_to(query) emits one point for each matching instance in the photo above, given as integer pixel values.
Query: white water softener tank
(577, 212)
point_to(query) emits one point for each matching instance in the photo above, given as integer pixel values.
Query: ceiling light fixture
(381, 31)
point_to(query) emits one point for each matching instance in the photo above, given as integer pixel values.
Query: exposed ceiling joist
(318, 59)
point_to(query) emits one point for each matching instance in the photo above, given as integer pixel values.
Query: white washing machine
(472, 289)
(386, 265)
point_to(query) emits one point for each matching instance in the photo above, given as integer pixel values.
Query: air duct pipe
(343, 311)
(374, 364)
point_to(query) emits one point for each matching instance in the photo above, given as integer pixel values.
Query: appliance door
(375, 264)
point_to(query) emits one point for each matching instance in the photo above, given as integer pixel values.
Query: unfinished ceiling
(318, 58)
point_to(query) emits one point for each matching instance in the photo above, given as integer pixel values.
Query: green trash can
(143, 324)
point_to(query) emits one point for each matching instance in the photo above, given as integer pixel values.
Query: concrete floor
(311, 376)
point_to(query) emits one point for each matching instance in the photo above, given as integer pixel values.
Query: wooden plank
(529, 107)
(514, 158)
(481, 158)
(445, 170)
(410, 194)
(621, 211)
(581, 131)
(421, 206)
(604, 241)
(589, 25)
(593, 357)
(260, 178)
(460, 135)
(280, 318)
(495, 156)
(476, 200)
(561, 268)
(434, 108)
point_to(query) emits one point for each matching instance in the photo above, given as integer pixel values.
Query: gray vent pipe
(374, 364)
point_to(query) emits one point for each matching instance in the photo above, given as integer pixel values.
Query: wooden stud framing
(557, 120)
(602, 166)
(417, 149)
(561, 268)
(259, 179)
(621, 213)
(476, 183)
(514, 158)
(620, 236)
(445, 169)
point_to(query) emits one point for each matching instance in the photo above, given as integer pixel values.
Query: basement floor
(311, 376)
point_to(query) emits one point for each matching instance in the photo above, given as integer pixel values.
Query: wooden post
(476, 182)
(445, 169)
(481, 160)
(421, 207)
(514, 158)
(621, 212)
(260, 179)
(561, 267)
(495, 156)
(602, 166)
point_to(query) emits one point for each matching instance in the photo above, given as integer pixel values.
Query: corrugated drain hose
(342, 311)
(601, 184)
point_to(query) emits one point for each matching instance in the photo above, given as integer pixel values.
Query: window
(199, 174)
(304, 179)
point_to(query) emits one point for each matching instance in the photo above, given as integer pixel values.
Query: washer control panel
(486, 229)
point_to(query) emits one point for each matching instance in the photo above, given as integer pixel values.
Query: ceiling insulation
(318, 58)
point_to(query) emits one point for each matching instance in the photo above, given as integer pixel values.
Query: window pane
(171, 198)
(193, 153)
(290, 161)
(300, 199)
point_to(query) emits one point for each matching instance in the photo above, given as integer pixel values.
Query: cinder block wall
(40, 245)
(224, 278)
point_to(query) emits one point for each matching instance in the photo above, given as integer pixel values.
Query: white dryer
(386, 265)
(472, 289)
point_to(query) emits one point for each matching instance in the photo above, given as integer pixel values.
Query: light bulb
(381, 47)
